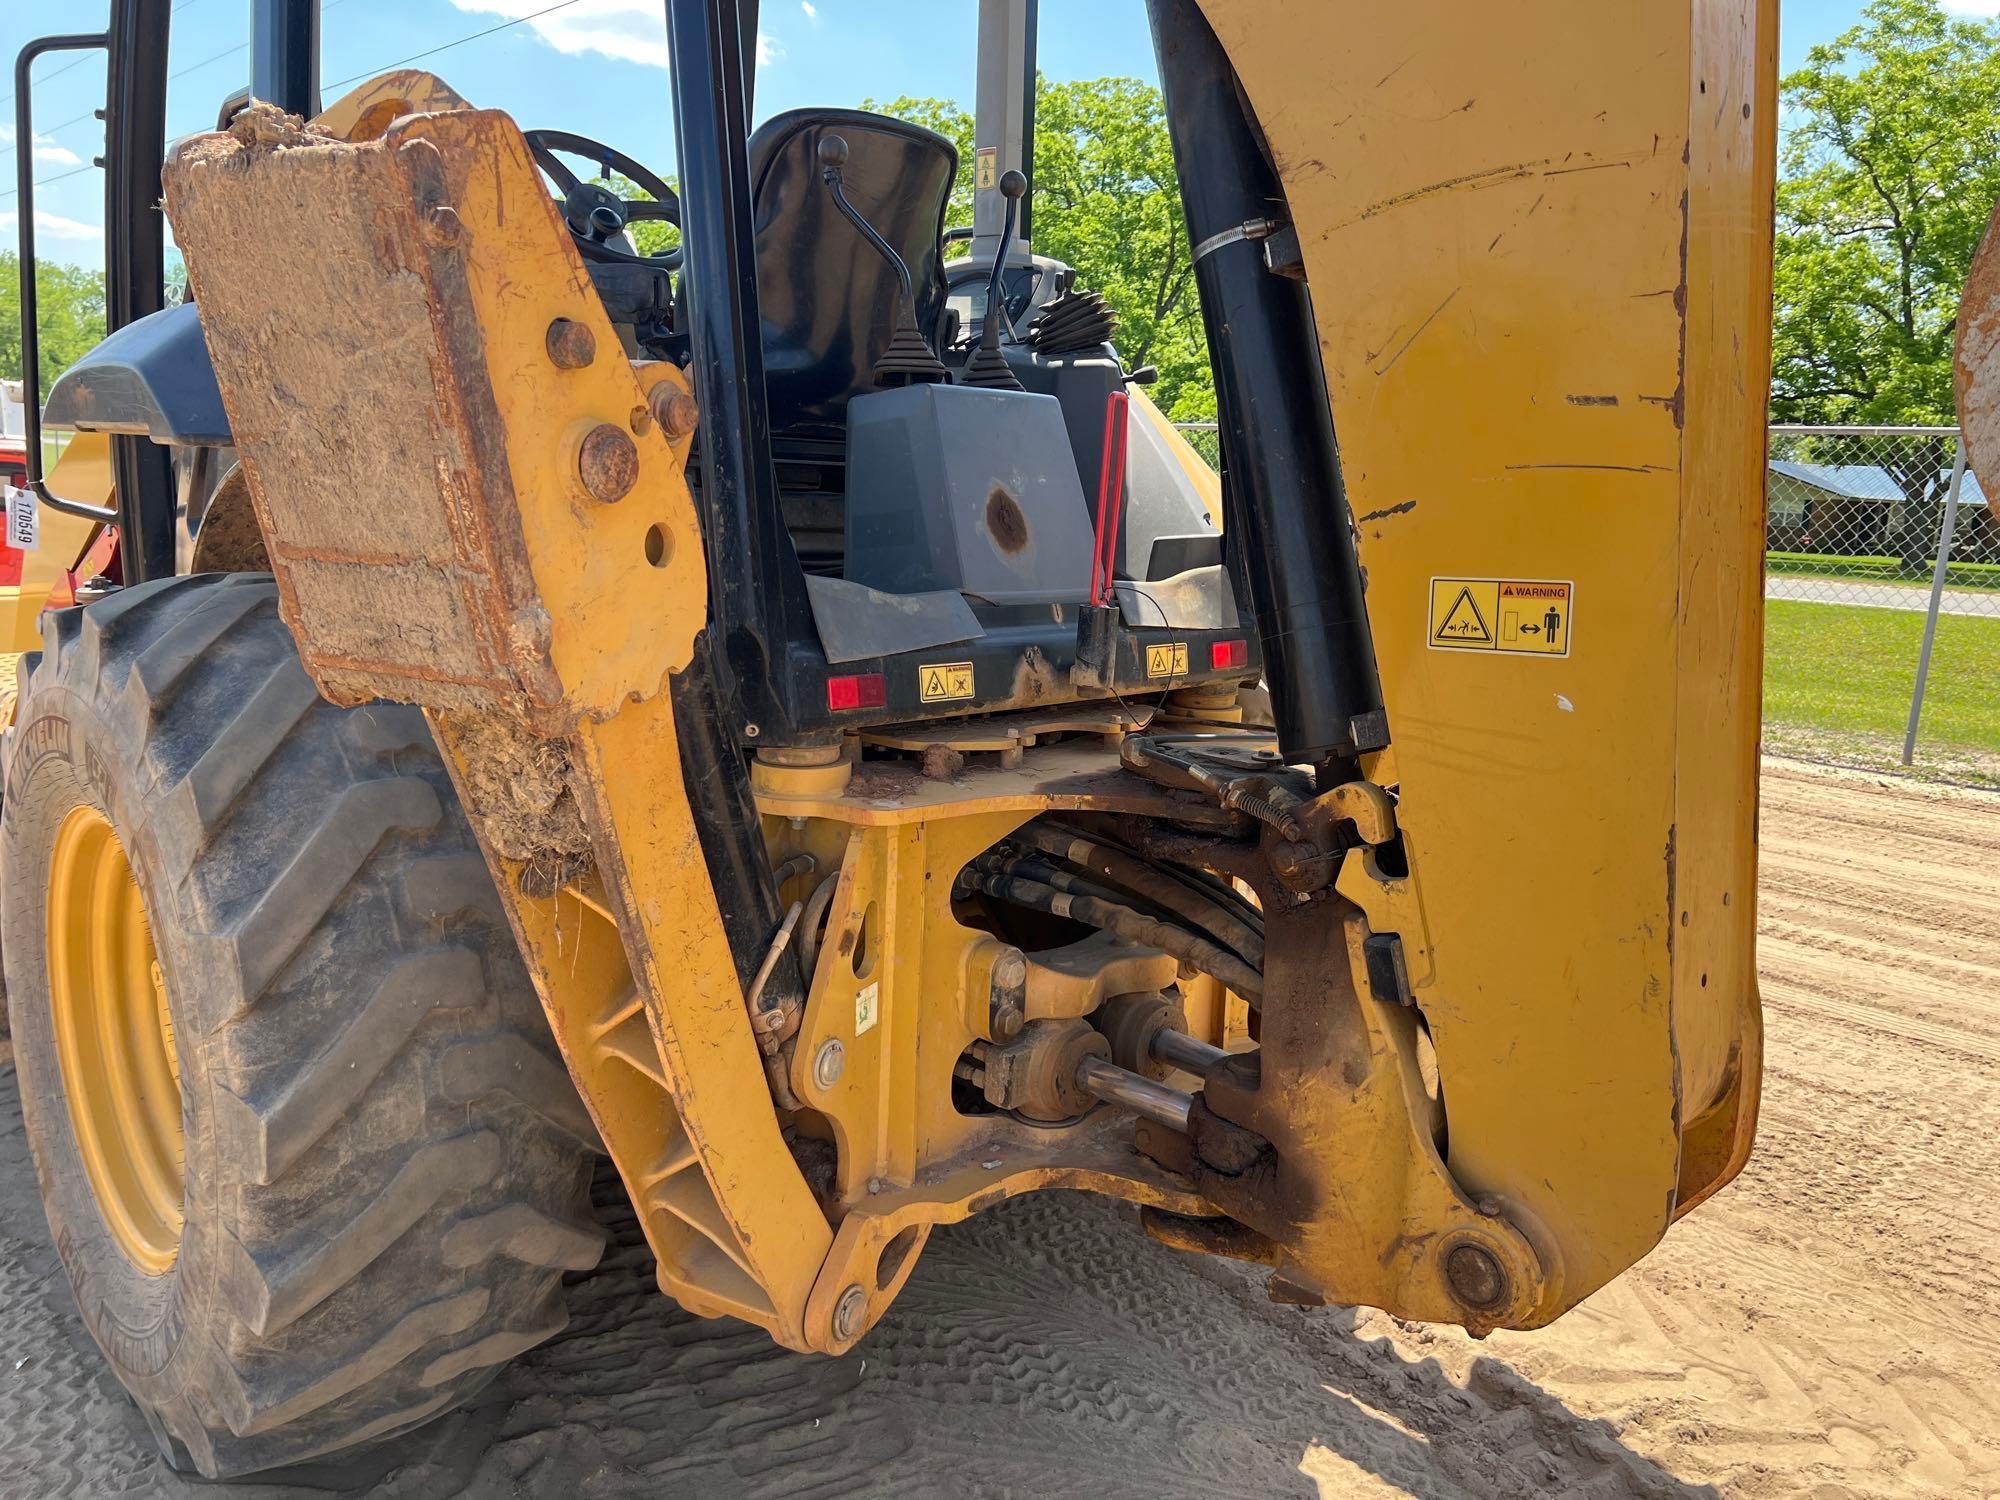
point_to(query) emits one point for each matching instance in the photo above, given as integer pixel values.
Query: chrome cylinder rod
(1178, 1049)
(1127, 1090)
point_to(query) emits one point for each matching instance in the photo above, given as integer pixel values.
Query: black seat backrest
(829, 300)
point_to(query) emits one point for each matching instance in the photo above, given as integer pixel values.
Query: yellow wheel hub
(115, 1039)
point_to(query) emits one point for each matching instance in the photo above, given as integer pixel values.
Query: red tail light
(864, 690)
(1222, 655)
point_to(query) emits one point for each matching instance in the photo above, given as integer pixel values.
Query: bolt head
(829, 1062)
(607, 464)
(849, 1312)
(1475, 1276)
(570, 344)
(674, 409)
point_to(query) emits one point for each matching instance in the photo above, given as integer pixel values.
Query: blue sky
(596, 67)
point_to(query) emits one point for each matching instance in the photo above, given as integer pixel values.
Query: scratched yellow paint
(1538, 237)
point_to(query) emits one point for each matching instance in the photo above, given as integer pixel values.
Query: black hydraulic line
(1282, 490)
(756, 593)
(810, 922)
(799, 864)
(732, 839)
(1197, 952)
(1197, 878)
(1044, 872)
(1158, 886)
(135, 230)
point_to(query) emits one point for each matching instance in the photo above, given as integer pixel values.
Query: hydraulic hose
(1197, 953)
(1156, 885)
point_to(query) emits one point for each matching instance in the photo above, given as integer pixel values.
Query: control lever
(908, 360)
(988, 367)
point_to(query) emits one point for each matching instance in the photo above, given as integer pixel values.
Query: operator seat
(829, 300)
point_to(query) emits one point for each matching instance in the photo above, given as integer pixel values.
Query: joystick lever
(988, 366)
(909, 359)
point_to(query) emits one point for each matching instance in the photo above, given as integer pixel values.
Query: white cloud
(769, 49)
(1973, 7)
(47, 150)
(55, 226)
(629, 30)
(811, 10)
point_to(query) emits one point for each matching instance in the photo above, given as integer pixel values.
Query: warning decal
(942, 681)
(986, 160)
(1168, 659)
(1522, 616)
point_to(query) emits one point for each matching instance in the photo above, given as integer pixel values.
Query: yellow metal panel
(407, 287)
(82, 473)
(656, 881)
(1718, 1025)
(617, 621)
(1538, 237)
(365, 111)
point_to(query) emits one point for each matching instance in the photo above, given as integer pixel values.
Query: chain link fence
(1204, 439)
(1882, 581)
(1858, 516)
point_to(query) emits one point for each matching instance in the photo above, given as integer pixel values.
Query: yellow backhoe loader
(785, 711)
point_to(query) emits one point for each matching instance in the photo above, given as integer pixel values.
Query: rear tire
(386, 1165)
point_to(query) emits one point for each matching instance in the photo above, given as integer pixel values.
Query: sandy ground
(1829, 1325)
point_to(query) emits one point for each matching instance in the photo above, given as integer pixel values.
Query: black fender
(152, 378)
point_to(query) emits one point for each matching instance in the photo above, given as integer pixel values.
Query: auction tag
(24, 520)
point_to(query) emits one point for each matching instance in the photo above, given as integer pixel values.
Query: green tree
(70, 315)
(1890, 166)
(1107, 202)
(955, 125)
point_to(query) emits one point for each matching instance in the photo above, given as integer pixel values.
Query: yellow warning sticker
(1523, 616)
(942, 681)
(985, 173)
(1168, 659)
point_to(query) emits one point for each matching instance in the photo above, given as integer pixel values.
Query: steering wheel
(594, 214)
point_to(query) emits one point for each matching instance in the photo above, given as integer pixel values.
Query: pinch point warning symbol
(1463, 624)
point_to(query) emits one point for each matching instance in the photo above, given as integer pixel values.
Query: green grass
(1889, 570)
(1837, 684)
